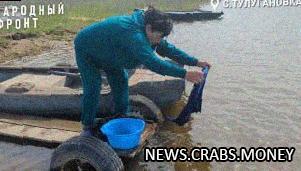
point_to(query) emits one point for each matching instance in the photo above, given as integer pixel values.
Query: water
(253, 93)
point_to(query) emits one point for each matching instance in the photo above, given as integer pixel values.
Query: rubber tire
(90, 149)
(146, 107)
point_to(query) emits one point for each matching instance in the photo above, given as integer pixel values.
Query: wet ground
(252, 97)
(16, 157)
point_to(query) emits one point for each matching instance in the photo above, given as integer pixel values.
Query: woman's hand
(203, 64)
(194, 76)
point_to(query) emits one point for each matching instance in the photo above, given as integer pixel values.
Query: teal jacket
(120, 41)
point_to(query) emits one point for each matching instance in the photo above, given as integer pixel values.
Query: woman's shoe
(86, 132)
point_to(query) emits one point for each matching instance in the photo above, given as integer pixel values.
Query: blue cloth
(114, 45)
(194, 103)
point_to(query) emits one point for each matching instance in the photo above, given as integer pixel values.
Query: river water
(253, 92)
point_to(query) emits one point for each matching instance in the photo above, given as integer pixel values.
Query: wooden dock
(50, 132)
(23, 138)
(39, 131)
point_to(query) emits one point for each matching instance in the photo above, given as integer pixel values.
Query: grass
(3, 42)
(79, 14)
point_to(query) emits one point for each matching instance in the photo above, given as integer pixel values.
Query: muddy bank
(48, 53)
(21, 51)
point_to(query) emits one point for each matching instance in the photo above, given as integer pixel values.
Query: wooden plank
(25, 132)
(52, 132)
(45, 122)
(34, 130)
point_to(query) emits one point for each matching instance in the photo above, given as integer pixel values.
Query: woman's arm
(170, 51)
(141, 50)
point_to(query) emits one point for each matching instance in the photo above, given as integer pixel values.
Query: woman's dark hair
(158, 20)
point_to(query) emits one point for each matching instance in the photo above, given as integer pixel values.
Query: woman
(124, 42)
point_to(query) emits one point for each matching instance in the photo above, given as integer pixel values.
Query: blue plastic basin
(123, 133)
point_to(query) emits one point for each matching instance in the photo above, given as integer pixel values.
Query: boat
(34, 98)
(196, 15)
(56, 91)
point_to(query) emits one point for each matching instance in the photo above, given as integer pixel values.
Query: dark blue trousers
(89, 67)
